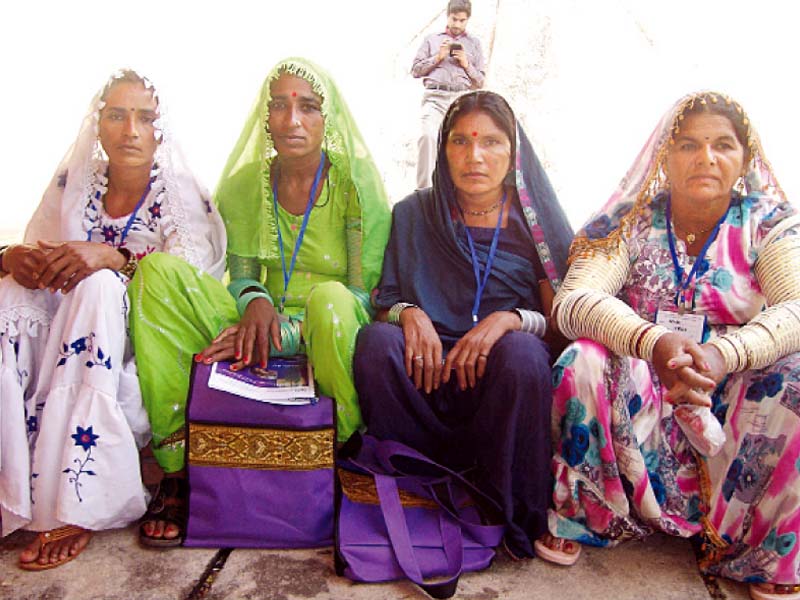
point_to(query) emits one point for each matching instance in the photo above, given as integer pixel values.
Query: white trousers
(71, 414)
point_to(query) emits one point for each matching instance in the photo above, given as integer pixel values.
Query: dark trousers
(500, 428)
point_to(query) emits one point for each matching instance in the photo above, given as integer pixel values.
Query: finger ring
(483, 356)
(418, 358)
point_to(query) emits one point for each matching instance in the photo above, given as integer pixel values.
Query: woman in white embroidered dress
(72, 418)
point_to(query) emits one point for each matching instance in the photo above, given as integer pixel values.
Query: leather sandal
(555, 550)
(780, 592)
(49, 537)
(168, 505)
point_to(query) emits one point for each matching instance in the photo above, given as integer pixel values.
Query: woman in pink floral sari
(678, 409)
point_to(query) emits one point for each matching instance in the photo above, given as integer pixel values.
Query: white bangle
(394, 312)
(532, 322)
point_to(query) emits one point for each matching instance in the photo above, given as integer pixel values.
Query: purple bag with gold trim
(402, 515)
(261, 475)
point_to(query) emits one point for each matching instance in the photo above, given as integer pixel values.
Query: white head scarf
(186, 210)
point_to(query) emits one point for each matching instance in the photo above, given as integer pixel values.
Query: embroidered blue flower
(78, 345)
(155, 210)
(658, 487)
(33, 423)
(722, 279)
(634, 405)
(84, 344)
(85, 437)
(756, 391)
(109, 234)
(773, 384)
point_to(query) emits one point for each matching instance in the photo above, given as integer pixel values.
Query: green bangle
(247, 297)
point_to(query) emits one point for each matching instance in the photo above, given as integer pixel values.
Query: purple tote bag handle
(399, 537)
(376, 457)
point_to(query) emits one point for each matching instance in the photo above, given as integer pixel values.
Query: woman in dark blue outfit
(459, 369)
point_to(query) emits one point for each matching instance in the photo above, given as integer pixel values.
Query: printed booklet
(286, 380)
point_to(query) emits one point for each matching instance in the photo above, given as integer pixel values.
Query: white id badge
(692, 326)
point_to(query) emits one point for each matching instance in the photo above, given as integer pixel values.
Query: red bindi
(294, 94)
(474, 134)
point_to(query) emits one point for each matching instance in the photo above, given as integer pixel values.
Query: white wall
(588, 78)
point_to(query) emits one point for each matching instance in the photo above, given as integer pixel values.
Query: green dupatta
(246, 202)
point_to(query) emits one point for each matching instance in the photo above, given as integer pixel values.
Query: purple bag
(260, 475)
(401, 515)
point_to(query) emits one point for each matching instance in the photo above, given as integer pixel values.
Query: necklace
(485, 211)
(690, 236)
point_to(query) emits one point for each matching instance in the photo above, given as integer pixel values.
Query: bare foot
(54, 547)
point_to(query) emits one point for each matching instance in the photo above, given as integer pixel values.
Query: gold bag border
(260, 448)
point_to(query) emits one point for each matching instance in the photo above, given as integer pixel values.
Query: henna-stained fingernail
(234, 368)
(198, 358)
(263, 364)
(238, 354)
(247, 360)
(671, 364)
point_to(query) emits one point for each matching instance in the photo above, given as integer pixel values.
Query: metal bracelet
(394, 312)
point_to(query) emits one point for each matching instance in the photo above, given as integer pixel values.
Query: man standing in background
(450, 63)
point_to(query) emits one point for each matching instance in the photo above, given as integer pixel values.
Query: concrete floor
(114, 566)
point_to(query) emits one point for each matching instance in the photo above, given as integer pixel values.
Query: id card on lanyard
(684, 322)
(688, 324)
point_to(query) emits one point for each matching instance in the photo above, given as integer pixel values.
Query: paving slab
(114, 566)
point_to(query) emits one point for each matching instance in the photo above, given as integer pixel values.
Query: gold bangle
(129, 268)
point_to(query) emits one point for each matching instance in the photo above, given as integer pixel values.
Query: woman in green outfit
(307, 220)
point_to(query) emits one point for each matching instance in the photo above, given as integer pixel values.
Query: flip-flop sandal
(49, 537)
(168, 505)
(787, 592)
(558, 553)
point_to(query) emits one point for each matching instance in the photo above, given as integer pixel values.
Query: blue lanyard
(476, 265)
(287, 275)
(131, 219)
(684, 297)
